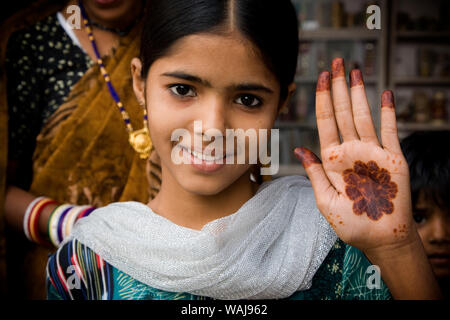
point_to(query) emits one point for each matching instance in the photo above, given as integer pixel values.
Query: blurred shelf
(292, 124)
(291, 169)
(372, 80)
(422, 81)
(335, 34)
(423, 36)
(412, 41)
(411, 126)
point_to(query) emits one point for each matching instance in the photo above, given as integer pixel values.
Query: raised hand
(361, 185)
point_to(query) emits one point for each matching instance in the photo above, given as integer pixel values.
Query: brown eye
(248, 100)
(419, 216)
(182, 90)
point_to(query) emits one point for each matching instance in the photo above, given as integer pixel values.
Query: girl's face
(433, 225)
(218, 80)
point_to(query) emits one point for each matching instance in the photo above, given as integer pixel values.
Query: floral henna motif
(371, 189)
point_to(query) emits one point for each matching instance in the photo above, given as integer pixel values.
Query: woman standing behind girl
(211, 231)
(67, 145)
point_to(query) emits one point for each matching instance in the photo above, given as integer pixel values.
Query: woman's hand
(361, 186)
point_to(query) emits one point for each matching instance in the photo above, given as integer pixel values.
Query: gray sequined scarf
(268, 249)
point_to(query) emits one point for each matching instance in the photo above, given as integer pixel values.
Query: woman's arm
(47, 221)
(16, 204)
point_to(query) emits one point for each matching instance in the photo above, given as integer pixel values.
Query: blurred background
(409, 54)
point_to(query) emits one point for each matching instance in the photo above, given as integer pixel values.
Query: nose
(213, 116)
(440, 230)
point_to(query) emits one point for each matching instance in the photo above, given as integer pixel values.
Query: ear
(284, 105)
(138, 82)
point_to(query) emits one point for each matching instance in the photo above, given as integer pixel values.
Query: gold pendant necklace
(141, 142)
(139, 139)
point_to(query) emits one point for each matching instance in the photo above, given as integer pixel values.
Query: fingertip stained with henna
(323, 82)
(387, 99)
(337, 68)
(306, 157)
(356, 78)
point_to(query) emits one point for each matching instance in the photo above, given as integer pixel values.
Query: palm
(365, 206)
(361, 187)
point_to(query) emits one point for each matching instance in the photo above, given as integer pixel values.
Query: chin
(110, 10)
(441, 272)
(209, 184)
(204, 186)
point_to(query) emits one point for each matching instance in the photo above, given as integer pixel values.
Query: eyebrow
(238, 87)
(188, 77)
(252, 87)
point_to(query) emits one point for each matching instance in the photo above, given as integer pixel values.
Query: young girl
(429, 171)
(212, 232)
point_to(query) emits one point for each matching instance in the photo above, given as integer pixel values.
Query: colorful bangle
(53, 223)
(62, 219)
(66, 222)
(32, 217)
(86, 212)
(61, 222)
(26, 218)
(80, 213)
(71, 218)
(50, 217)
(34, 220)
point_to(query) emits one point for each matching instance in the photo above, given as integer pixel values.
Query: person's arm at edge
(16, 203)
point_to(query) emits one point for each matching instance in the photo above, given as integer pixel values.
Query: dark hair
(428, 157)
(271, 25)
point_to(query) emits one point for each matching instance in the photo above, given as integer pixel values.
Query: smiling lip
(439, 259)
(107, 3)
(205, 166)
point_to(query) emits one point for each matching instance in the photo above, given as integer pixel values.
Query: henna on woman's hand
(370, 188)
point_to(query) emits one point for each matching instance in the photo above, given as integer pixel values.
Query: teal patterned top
(345, 274)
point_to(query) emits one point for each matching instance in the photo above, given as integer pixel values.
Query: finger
(341, 101)
(362, 117)
(389, 134)
(326, 123)
(319, 180)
